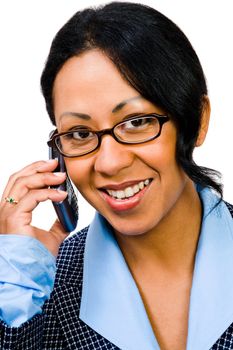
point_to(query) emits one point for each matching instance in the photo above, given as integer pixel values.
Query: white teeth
(141, 185)
(136, 188)
(129, 191)
(120, 194)
(113, 193)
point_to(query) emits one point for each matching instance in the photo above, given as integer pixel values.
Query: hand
(29, 187)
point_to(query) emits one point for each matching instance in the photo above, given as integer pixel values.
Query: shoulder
(71, 257)
(230, 208)
(74, 243)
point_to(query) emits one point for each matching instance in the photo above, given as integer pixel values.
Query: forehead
(90, 79)
(90, 84)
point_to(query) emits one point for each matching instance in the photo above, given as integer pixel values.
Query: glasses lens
(77, 142)
(138, 129)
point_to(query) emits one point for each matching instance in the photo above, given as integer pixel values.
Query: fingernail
(45, 163)
(59, 174)
(62, 192)
(51, 160)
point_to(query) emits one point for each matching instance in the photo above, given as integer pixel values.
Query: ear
(205, 117)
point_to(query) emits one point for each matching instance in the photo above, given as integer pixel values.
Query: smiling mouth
(129, 191)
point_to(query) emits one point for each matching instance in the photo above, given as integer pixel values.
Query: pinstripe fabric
(59, 327)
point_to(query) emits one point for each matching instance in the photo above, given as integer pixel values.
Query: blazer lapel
(77, 334)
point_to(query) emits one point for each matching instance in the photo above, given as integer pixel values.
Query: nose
(112, 157)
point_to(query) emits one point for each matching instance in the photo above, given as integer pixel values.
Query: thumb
(58, 230)
(57, 227)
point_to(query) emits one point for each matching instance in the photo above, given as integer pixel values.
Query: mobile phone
(67, 210)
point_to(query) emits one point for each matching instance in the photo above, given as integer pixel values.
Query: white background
(26, 30)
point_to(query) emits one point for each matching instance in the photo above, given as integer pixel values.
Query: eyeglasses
(80, 141)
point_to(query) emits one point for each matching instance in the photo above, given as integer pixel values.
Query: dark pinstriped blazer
(59, 327)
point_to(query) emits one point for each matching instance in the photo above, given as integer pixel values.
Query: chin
(134, 229)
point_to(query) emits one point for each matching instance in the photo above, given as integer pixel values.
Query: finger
(53, 239)
(31, 169)
(18, 216)
(37, 181)
(30, 201)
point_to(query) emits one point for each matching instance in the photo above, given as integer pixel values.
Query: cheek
(160, 155)
(161, 158)
(79, 172)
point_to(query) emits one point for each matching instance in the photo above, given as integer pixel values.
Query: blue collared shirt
(111, 303)
(27, 273)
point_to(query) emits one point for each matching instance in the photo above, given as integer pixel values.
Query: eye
(79, 135)
(136, 123)
(82, 134)
(139, 123)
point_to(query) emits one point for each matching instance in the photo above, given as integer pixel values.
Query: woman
(127, 95)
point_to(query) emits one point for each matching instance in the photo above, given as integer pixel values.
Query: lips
(128, 191)
(121, 197)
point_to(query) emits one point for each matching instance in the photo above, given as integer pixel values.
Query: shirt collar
(211, 307)
(111, 303)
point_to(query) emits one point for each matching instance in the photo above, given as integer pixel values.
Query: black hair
(154, 56)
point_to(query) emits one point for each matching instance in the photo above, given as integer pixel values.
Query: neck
(172, 244)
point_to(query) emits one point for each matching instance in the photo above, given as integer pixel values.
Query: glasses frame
(162, 119)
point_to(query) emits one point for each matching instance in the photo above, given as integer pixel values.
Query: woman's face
(89, 91)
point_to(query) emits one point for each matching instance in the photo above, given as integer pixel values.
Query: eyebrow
(117, 108)
(123, 103)
(76, 114)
